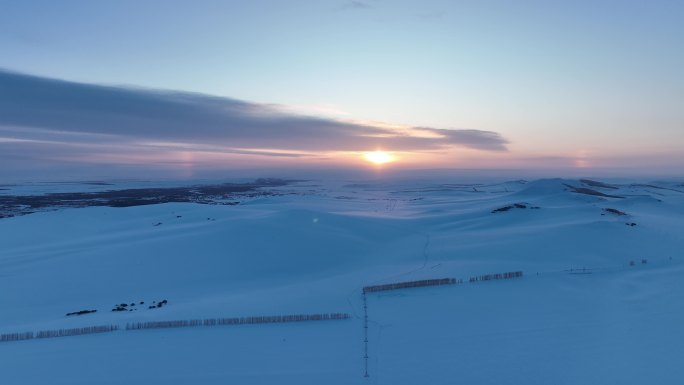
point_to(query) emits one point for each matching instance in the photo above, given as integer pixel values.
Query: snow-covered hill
(600, 301)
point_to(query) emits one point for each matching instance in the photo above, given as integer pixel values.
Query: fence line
(173, 324)
(236, 321)
(490, 277)
(365, 336)
(16, 336)
(76, 331)
(411, 284)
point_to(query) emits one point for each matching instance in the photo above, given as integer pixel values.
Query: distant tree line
(411, 284)
(489, 277)
(236, 321)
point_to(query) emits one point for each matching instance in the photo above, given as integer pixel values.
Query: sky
(180, 88)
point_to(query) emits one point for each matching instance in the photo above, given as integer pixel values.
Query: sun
(378, 157)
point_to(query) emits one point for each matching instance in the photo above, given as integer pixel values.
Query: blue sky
(566, 84)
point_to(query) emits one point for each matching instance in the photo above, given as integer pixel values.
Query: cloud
(48, 110)
(431, 15)
(353, 4)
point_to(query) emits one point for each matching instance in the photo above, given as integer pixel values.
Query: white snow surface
(312, 249)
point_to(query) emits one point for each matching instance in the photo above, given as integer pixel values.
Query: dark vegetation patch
(99, 183)
(588, 191)
(594, 183)
(88, 182)
(12, 205)
(514, 206)
(657, 187)
(614, 211)
(81, 312)
(134, 306)
(157, 305)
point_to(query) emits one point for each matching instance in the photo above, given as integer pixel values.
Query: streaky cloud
(355, 4)
(32, 106)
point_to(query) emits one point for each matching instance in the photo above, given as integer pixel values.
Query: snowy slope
(312, 249)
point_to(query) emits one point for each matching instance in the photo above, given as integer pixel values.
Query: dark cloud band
(151, 115)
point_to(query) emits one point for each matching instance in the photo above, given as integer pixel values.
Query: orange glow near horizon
(378, 157)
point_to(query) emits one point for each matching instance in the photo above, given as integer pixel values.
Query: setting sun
(378, 157)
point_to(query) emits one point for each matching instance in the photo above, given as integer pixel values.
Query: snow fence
(236, 321)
